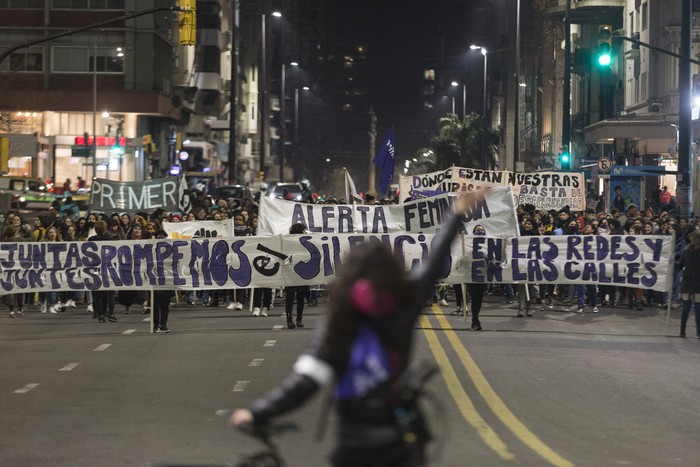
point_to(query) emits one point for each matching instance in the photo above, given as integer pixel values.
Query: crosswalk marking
(69, 367)
(240, 386)
(25, 389)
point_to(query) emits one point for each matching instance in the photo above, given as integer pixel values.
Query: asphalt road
(612, 388)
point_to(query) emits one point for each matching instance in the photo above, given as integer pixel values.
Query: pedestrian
(298, 292)
(161, 301)
(476, 290)
(373, 308)
(690, 282)
(103, 300)
(15, 301)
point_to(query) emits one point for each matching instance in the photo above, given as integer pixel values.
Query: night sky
(404, 38)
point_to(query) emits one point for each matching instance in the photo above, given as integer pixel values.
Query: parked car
(294, 191)
(26, 192)
(231, 191)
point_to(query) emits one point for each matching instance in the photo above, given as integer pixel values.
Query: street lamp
(263, 89)
(484, 52)
(296, 112)
(464, 99)
(283, 119)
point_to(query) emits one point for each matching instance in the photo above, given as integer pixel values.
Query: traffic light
(188, 22)
(604, 50)
(564, 158)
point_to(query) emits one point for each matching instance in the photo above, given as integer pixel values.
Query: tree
(457, 142)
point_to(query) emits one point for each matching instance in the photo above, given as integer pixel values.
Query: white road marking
(146, 320)
(257, 362)
(25, 389)
(240, 386)
(129, 331)
(222, 412)
(277, 327)
(269, 343)
(101, 348)
(69, 367)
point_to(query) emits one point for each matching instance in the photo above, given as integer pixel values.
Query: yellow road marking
(495, 403)
(464, 403)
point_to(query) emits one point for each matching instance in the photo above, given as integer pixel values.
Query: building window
(24, 60)
(87, 4)
(22, 4)
(631, 27)
(80, 60)
(645, 15)
(429, 75)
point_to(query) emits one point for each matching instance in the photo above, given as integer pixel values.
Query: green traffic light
(565, 158)
(604, 59)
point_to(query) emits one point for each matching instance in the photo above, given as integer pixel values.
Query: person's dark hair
(100, 227)
(385, 272)
(8, 233)
(297, 228)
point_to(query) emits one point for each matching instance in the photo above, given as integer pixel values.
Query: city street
(559, 388)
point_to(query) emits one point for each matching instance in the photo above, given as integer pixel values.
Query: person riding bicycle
(364, 346)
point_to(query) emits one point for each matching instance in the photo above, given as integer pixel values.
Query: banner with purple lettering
(148, 195)
(496, 213)
(243, 262)
(544, 190)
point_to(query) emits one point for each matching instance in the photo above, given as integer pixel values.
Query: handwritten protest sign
(544, 190)
(147, 195)
(496, 213)
(199, 229)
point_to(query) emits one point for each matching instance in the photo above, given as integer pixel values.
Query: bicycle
(268, 456)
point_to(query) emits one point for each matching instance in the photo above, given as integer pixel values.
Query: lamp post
(484, 106)
(94, 114)
(296, 112)
(263, 89)
(283, 118)
(464, 99)
(233, 93)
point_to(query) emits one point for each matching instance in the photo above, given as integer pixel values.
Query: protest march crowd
(64, 223)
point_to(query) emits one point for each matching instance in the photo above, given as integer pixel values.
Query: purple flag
(384, 160)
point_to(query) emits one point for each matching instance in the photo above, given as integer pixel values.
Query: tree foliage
(457, 142)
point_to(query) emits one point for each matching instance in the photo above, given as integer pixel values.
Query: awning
(659, 136)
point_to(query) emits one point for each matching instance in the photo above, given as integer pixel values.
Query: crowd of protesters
(64, 223)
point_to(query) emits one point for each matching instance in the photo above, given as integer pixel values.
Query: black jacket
(301, 384)
(690, 263)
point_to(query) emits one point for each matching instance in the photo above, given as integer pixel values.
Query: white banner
(199, 229)
(243, 262)
(544, 190)
(496, 213)
(147, 195)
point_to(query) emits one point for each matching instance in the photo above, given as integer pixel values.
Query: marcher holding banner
(476, 291)
(373, 308)
(298, 292)
(690, 283)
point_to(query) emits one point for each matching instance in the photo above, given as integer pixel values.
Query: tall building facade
(115, 83)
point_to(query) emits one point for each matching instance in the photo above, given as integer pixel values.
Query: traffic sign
(604, 164)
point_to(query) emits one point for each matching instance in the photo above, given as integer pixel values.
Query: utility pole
(566, 110)
(516, 120)
(685, 178)
(263, 95)
(372, 148)
(233, 98)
